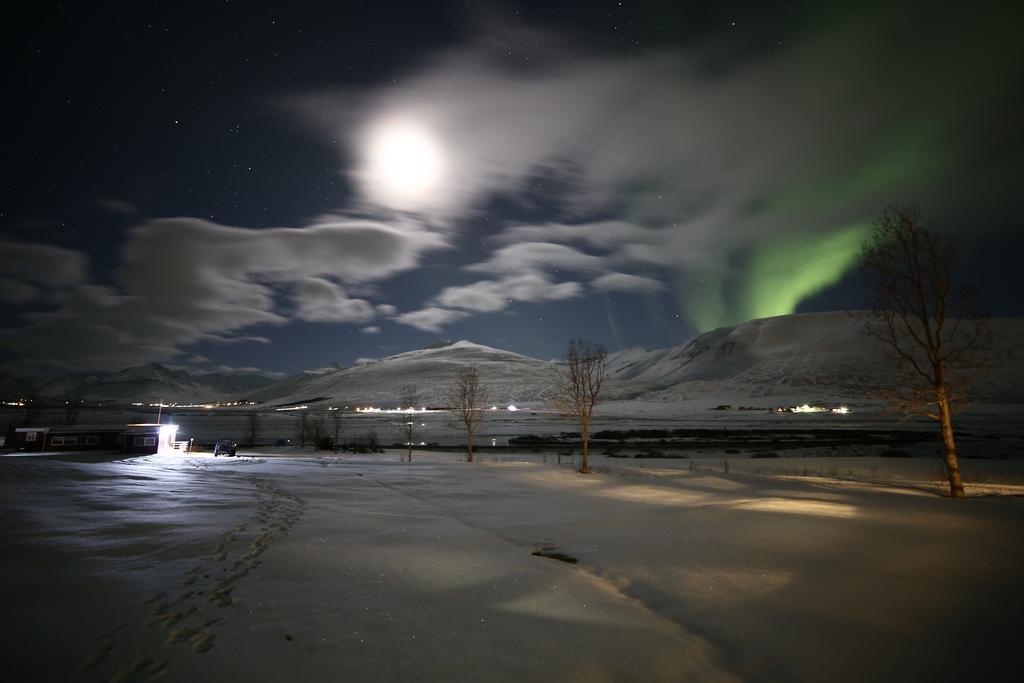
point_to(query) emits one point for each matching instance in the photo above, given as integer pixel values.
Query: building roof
(74, 429)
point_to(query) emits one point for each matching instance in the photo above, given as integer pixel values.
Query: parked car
(225, 448)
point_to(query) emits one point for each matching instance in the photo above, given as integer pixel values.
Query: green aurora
(779, 277)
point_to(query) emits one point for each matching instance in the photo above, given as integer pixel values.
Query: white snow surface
(364, 568)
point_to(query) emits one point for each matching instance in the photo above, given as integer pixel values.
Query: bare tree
(466, 400)
(408, 427)
(302, 428)
(72, 409)
(579, 387)
(920, 319)
(254, 425)
(336, 425)
(31, 406)
(317, 432)
(408, 396)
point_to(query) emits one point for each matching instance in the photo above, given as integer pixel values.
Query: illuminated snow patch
(816, 508)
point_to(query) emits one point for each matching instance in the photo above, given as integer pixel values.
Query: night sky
(262, 185)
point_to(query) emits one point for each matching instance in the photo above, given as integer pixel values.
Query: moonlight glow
(403, 164)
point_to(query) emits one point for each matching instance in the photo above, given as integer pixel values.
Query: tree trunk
(956, 484)
(585, 434)
(469, 445)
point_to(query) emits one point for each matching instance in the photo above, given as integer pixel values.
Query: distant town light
(805, 408)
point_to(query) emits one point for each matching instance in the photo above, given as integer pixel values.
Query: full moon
(403, 163)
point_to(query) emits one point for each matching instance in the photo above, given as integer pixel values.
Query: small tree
(336, 426)
(254, 425)
(920, 319)
(302, 429)
(368, 443)
(31, 408)
(409, 429)
(579, 387)
(72, 409)
(466, 400)
(408, 397)
(317, 434)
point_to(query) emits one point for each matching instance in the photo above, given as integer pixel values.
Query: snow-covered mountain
(784, 360)
(146, 383)
(510, 378)
(793, 359)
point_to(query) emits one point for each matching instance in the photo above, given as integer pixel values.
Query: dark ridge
(554, 554)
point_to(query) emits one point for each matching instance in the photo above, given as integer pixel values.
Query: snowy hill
(510, 378)
(786, 360)
(146, 383)
(791, 359)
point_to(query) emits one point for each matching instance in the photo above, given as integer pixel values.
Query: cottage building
(129, 439)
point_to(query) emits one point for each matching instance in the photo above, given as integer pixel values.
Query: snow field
(361, 567)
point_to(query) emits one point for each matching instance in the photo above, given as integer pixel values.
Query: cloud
(620, 241)
(488, 296)
(386, 310)
(430, 319)
(183, 281)
(600, 234)
(319, 300)
(515, 258)
(702, 169)
(118, 206)
(624, 282)
(237, 370)
(15, 292)
(41, 264)
(371, 329)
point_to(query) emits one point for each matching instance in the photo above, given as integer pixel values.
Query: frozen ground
(336, 567)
